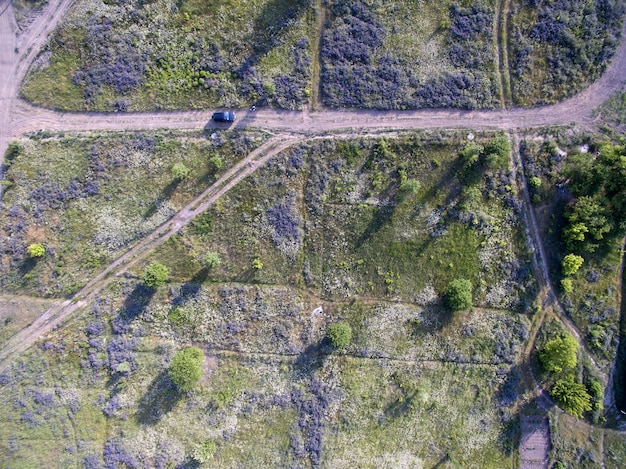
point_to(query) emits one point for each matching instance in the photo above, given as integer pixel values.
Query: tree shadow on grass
(191, 288)
(136, 302)
(312, 358)
(160, 399)
(270, 27)
(165, 195)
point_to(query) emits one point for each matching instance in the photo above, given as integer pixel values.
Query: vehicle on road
(224, 116)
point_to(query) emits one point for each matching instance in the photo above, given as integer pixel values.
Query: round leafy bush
(180, 171)
(36, 250)
(155, 275)
(339, 334)
(571, 264)
(186, 368)
(459, 294)
(211, 260)
(559, 354)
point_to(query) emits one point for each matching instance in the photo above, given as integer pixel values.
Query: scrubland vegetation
(372, 54)
(85, 200)
(326, 224)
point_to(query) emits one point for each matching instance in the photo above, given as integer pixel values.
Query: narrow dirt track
(62, 310)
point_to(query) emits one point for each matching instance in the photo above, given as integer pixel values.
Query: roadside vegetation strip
(497, 43)
(62, 310)
(551, 296)
(503, 51)
(315, 84)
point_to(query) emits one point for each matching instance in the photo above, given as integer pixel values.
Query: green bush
(459, 294)
(594, 388)
(211, 260)
(571, 396)
(186, 368)
(205, 451)
(534, 182)
(567, 286)
(571, 264)
(36, 250)
(155, 275)
(560, 354)
(339, 334)
(215, 163)
(180, 171)
(470, 154)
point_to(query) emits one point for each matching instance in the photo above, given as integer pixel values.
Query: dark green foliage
(596, 392)
(459, 294)
(186, 368)
(203, 224)
(497, 151)
(13, 151)
(470, 154)
(155, 275)
(560, 354)
(586, 216)
(600, 210)
(571, 396)
(339, 334)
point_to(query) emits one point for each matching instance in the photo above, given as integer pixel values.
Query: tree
(572, 396)
(186, 368)
(211, 260)
(571, 263)
(339, 334)
(36, 250)
(590, 213)
(567, 285)
(469, 155)
(459, 294)
(215, 163)
(560, 354)
(155, 275)
(497, 151)
(180, 171)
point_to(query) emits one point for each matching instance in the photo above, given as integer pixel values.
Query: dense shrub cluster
(306, 439)
(111, 60)
(357, 72)
(599, 212)
(581, 37)
(285, 221)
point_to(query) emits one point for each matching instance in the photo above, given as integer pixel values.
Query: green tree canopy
(155, 275)
(186, 368)
(459, 294)
(559, 354)
(215, 163)
(180, 171)
(497, 151)
(339, 334)
(211, 260)
(587, 215)
(36, 250)
(572, 396)
(571, 263)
